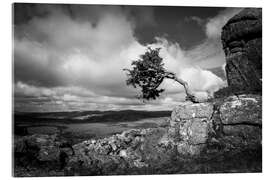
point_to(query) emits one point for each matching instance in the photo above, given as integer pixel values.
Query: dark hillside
(87, 116)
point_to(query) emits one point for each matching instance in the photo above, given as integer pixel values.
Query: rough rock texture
(135, 149)
(219, 136)
(243, 109)
(120, 149)
(190, 110)
(241, 118)
(189, 127)
(42, 150)
(226, 131)
(45, 147)
(242, 44)
(238, 118)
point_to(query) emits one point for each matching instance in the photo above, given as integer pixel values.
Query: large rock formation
(242, 44)
(189, 127)
(234, 121)
(240, 118)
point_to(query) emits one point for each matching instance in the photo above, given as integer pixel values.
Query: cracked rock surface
(189, 127)
(242, 43)
(241, 118)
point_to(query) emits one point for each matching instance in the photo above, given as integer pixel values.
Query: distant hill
(88, 116)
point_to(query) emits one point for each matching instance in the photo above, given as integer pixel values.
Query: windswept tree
(148, 73)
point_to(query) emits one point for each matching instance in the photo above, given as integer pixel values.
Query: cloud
(39, 99)
(215, 24)
(202, 80)
(73, 59)
(209, 53)
(181, 62)
(196, 19)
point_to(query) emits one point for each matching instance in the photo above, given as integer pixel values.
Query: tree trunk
(190, 95)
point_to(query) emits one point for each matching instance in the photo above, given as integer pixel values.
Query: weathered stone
(190, 110)
(198, 131)
(105, 149)
(190, 126)
(242, 109)
(242, 43)
(246, 132)
(114, 151)
(192, 133)
(195, 131)
(41, 148)
(49, 153)
(114, 147)
(237, 123)
(123, 153)
(187, 150)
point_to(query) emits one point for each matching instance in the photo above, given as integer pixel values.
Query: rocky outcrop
(42, 151)
(240, 117)
(131, 150)
(219, 136)
(110, 155)
(136, 151)
(242, 44)
(236, 120)
(226, 131)
(189, 127)
(243, 109)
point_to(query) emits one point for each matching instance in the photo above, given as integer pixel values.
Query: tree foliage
(148, 73)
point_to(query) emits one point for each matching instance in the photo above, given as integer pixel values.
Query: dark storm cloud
(70, 57)
(210, 53)
(171, 22)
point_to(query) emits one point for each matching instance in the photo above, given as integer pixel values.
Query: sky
(70, 57)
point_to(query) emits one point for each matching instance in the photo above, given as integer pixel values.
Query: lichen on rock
(190, 126)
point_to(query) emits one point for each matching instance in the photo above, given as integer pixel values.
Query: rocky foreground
(211, 137)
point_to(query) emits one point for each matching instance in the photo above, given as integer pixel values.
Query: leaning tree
(148, 73)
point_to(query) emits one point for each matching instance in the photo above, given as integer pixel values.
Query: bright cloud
(214, 25)
(63, 62)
